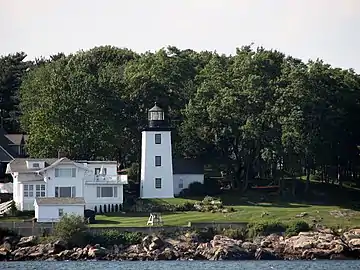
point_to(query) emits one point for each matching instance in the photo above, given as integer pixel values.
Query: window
(106, 192)
(181, 183)
(28, 191)
(157, 138)
(61, 212)
(157, 161)
(36, 165)
(65, 172)
(65, 192)
(97, 171)
(40, 191)
(157, 182)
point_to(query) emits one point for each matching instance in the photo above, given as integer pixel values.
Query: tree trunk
(307, 185)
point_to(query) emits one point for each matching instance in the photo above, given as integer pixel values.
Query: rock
(96, 252)
(27, 241)
(303, 214)
(4, 254)
(355, 242)
(59, 246)
(222, 248)
(156, 243)
(6, 246)
(249, 246)
(264, 254)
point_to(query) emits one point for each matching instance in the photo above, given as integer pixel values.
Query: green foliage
(196, 189)
(25, 213)
(238, 234)
(265, 228)
(5, 232)
(134, 172)
(206, 234)
(114, 237)
(211, 187)
(295, 227)
(72, 229)
(269, 227)
(245, 113)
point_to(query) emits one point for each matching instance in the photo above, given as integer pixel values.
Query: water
(185, 265)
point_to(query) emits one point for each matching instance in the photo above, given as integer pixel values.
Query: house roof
(17, 138)
(96, 161)
(19, 164)
(65, 161)
(187, 166)
(59, 201)
(6, 152)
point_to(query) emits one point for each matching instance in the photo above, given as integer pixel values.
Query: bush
(238, 234)
(72, 229)
(114, 237)
(211, 187)
(206, 234)
(25, 213)
(196, 189)
(265, 228)
(187, 206)
(5, 232)
(296, 227)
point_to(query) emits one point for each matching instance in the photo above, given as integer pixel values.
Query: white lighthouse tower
(156, 157)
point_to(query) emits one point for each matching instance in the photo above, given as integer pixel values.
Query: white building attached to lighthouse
(156, 157)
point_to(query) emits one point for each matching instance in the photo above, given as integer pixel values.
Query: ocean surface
(186, 265)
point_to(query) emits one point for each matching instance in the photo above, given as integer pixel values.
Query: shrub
(187, 206)
(211, 187)
(196, 189)
(265, 228)
(115, 237)
(25, 213)
(206, 234)
(296, 227)
(238, 234)
(5, 232)
(71, 228)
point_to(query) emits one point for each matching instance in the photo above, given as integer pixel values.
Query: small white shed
(52, 209)
(186, 172)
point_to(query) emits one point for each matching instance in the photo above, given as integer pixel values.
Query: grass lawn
(244, 213)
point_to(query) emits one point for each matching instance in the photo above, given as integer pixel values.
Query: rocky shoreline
(305, 246)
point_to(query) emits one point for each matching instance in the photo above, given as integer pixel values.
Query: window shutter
(56, 172)
(98, 192)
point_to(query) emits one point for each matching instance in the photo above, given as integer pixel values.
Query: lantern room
(156, 117)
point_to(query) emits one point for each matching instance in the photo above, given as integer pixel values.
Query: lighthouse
(156, 157)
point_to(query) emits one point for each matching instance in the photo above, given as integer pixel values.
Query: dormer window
(36, 165)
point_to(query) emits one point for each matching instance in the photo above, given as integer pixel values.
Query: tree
(71, 229)
(12, 69)
(74, 104)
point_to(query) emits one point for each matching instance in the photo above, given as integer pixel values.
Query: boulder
(266, 254)
(28, 241)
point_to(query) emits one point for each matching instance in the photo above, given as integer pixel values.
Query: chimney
(61, 154)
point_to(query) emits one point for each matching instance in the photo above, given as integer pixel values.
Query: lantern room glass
(156, 115)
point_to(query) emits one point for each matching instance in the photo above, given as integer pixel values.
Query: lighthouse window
(157, 161)
(157, 138)
(157, 182)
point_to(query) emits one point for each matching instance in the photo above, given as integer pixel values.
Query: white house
(158, 177)
(97, 182)
(51, 209)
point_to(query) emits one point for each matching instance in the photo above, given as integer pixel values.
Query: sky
(325, 29)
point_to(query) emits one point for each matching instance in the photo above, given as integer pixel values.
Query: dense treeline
(258, 113)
